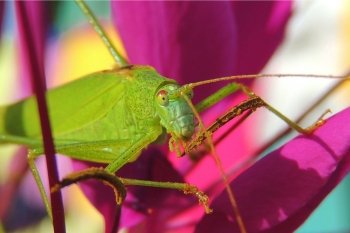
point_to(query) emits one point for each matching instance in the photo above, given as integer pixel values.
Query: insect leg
(232, 87)
(133, 151)
(291, 123)
(128, 155)
(118, 184)
(250, 104)
(96, 154)
(94, 173)
(210, 101)
(185, 187)
(33, 168)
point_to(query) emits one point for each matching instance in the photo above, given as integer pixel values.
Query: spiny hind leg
(118, 184)
(94, 173)
(308, 130)
(248, 106)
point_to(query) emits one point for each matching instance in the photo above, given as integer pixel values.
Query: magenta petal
(281, 190)
(260, 29)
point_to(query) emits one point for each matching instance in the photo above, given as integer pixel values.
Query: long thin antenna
(251, 76)
(98, 28)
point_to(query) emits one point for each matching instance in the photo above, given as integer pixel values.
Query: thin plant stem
(36, 74)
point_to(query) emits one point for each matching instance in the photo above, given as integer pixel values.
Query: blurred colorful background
(317, 42)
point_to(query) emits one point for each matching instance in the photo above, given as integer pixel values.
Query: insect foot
(319, 122)
(95, 173)
(203, 199)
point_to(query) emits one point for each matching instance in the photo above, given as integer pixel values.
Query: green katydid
(99, 131)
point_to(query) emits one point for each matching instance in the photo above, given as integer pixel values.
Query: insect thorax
(144, 83)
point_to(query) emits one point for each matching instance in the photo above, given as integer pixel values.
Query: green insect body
(111, 116)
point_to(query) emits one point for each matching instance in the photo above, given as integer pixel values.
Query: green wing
(91, 118)
(71, 106)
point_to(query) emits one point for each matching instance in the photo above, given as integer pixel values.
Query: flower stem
(26, 12)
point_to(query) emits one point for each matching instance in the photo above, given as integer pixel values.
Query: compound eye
(162, 98)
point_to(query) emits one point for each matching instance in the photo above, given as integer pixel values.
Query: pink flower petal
(281, 190)
(260, 29)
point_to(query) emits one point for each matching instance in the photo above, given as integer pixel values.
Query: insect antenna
(255, 76)
(218, 162)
